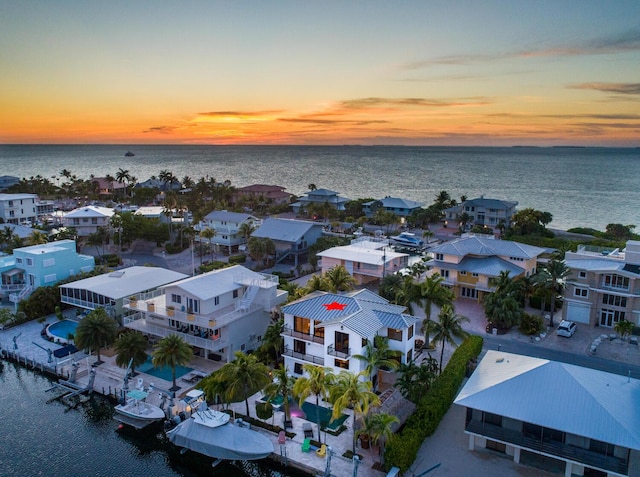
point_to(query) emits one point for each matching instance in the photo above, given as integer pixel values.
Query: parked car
(566, 329)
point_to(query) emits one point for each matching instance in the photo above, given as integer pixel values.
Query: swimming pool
(164, 372)
(324, 413)
(61, 330)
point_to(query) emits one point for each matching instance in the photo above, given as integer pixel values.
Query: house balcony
(286, 331)
(89, 305)
(12, 287)
(139, 323)
(549, 448)
(303, 357)
(342, 353)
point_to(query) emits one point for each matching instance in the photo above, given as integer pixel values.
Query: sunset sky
(320, 72)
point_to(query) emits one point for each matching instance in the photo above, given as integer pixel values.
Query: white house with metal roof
(218, 313)
(227, 227)
(320, 196)
(112, 290)
(483, 212)
(395, 205)
(470, 265)
(603, 286)
(292, 238)
(86, 220)
(364, 259)
(328, 329)
(581, 419)
(18, 208)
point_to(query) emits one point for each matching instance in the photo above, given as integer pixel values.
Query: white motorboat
(407, 239)
(136, 408)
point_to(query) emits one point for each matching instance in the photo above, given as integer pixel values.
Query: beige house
(471, 265)
(604, 285)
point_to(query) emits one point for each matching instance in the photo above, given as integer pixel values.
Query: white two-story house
(217, 313)
(227, 227)
(328, 329)
(86, 220)
(18, 208)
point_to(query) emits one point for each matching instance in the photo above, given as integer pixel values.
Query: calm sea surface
(580, 186)
(49, 439)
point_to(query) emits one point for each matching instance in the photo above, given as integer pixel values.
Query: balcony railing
(302, 356)
(13, 287)
(137, 322)
(551, 448)
(286, 331)
(342, 353)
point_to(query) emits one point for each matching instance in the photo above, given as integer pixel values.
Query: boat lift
(48, 350)
(71, 387)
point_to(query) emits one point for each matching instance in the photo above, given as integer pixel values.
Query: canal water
(41, 437)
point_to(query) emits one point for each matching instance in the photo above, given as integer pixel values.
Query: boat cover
(228, 442)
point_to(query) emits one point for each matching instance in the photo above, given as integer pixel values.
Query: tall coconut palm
(338, 279)
(246, 229)
(316, 382)
(208, 234)
(557, 273)
(123, 177)
(448, 328)
(131, 346)
(382, 429)
(282, 385)
(433, 292)
(378, 355)
(36, 238)
(245, 376)
(349, 390)
(96, 330)
(172, 351)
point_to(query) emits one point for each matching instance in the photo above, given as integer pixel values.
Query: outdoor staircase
(18, 297)
(248, 297)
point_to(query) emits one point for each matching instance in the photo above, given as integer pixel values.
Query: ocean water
(589, 187)
(51, 439)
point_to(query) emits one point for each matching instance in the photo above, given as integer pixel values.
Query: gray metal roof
(397, 203)
(284, 230)
(490, 266)
(217, 282)
(226, 216)
(597, 265)
(487, 247)
(580, 401)
(364, 313)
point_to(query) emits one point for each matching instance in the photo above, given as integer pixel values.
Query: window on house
(439, 256)
(30, 262)
(175, 298)
(50, 278)
(409, 356)
(94, 220)
(365, 342)
(318, 331)
(341, 342)
(50, 262)
(216, 300)
(583, 292)
(462, 272)
(475, 275)
(340, 363)
(410, 332)
(614, 300)
(299, 346)
(235, 293)
(616, 281)
(301, 325)
(297, 368)
(582, 274)
(444, 273)
(393, 334)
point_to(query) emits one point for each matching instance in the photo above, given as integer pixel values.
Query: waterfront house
(328, 329)
(564, 417)
(603, 286)
(107, 187)
(86, 220)
(40, 265)
(395, 205)
(227, 227)
(483, 212)
(292, 238)
(18, 208)
(366, 259)
(320, 196)
(217, 313)
(262, 194)
(470, 265)
(111, 290)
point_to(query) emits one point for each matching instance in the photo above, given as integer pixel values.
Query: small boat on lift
(407, 239)
(136, 408)
(129, 154)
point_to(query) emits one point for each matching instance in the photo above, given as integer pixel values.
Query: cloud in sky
(619, 88)
(333, 121)
(240, 114)
(624, 41)
(364, 103)
(160, 130)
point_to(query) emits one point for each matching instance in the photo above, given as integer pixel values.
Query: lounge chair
(306, 445)
(322, 451)
(308, 430)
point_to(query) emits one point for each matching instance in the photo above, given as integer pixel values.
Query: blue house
(40, 265)
(292, 238)
(395, 205)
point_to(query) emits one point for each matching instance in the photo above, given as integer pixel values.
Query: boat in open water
(129, 154)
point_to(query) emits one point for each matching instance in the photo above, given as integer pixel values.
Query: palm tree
(433, 292)
(131, 346)
(414, 380)
(122, 177)
(36, 238)
(172, 351)
(624, 328)
(448, 328)
(245, 376)
(282, 385)
(338, 279)
(382, 429)
(349, 390)
(409, 294)
(272, 339)
(246, 229)
(316, 282)
(96, 330)
(315, 383)
(378, 355)
(427, 234)
(557, 271)
(208, 234)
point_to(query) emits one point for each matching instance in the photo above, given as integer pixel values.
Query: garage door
(578, 312)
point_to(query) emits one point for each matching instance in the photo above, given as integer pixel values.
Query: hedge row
(403, 447)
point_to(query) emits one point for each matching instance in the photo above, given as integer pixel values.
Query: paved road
(593, 362)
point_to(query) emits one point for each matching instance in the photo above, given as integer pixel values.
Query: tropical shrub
(531, 324)
(237, 258)
(403, 447)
